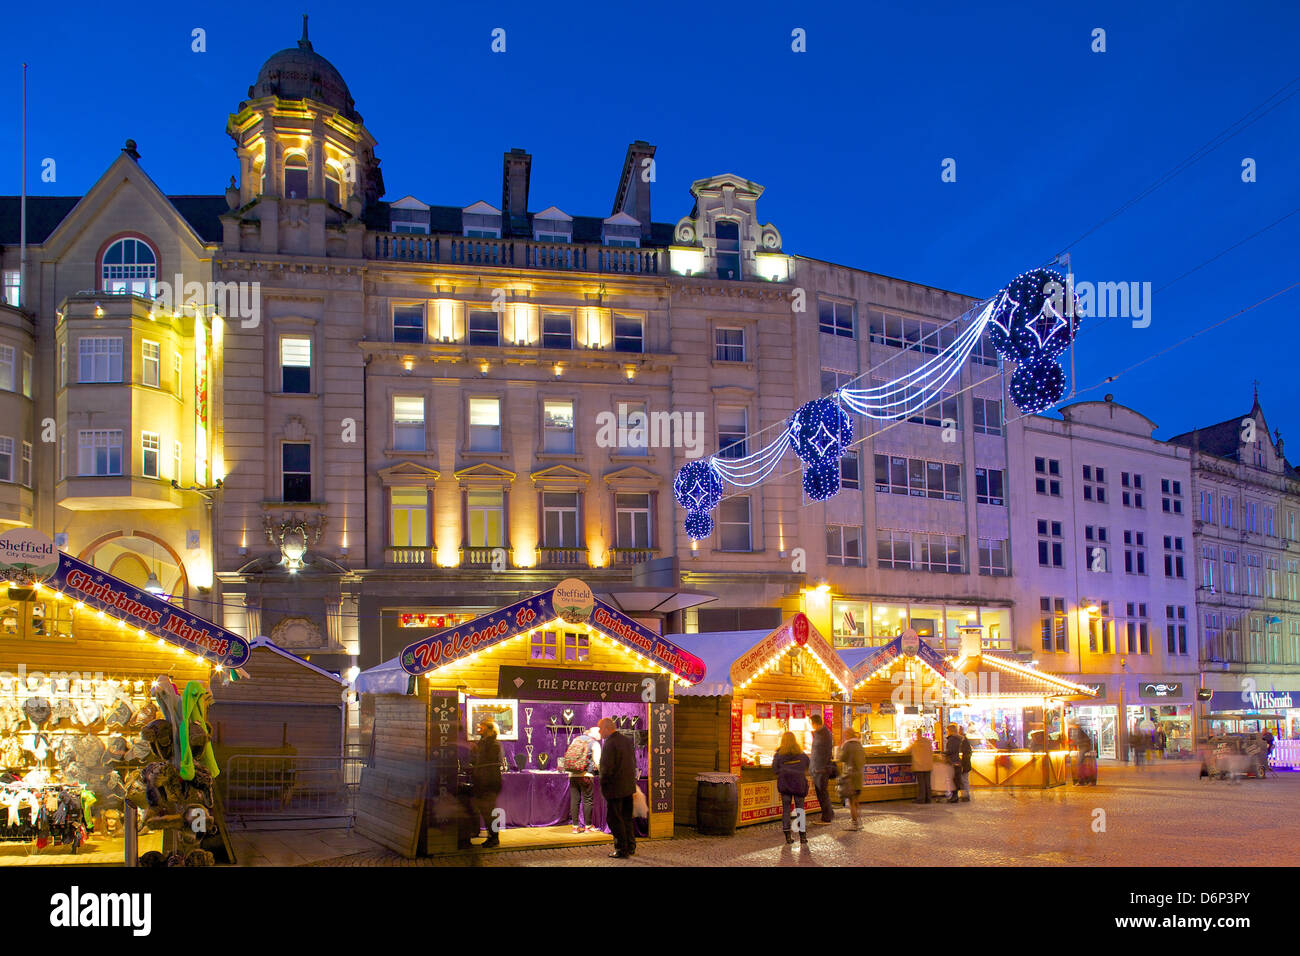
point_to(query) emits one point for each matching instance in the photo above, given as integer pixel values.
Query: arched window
(129, 265)
(332, 189)
(295, 176)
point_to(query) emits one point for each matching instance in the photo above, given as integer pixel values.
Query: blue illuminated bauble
(822, 480)
(698, 489)
(1035, 388)
(820, 431)
(699, 525)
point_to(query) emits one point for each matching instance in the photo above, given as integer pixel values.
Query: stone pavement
(1162, 816)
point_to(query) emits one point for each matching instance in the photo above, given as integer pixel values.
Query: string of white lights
(752, 469)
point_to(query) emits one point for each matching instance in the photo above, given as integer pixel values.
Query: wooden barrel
(717, 803)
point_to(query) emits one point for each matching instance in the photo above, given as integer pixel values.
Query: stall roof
(270, 645)
(980, 677)
(385, 678)
(718, 650)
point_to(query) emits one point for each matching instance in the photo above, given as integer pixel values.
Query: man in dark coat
(617, 784)
(823, 749)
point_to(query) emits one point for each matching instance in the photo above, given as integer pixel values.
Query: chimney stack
(514, 192)
(633, 196)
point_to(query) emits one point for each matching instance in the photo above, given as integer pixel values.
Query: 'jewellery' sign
(143, 611)
(438, 650)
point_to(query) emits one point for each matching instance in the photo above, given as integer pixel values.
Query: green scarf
(195, 707)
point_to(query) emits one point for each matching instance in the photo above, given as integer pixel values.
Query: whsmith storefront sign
(1224, 701)
(538, 611)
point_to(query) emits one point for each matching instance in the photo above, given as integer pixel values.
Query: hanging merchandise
(1030, 322)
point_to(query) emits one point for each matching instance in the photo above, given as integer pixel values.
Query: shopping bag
(639, 806)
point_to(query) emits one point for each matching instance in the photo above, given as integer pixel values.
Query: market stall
(89, 667)
(545, 669)
(763, 684)
(1014, 715)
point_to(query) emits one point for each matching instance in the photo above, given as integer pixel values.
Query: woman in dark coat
(486, 763)
(791, 768)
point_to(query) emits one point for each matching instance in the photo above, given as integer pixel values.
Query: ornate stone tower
(307, 166)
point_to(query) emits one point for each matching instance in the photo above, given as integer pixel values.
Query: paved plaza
(1161, 816)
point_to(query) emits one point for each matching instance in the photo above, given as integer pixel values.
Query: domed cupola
(300, 73)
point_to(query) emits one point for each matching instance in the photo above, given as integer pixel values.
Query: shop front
(91, 668)
(545, 670)
(1099, 718)
(1014, 716)
(1253, 711)
(1163, 705)
(762, 684)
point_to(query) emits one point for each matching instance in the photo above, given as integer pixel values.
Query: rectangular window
(632, 521)
(295, 364)
(1229, 571)
(945, 413)
(920, 335)
(843, 544)
(485, 424)
(27, 374)
(833, 379)
(484, 328)
(151, 364)
(6, 459)
(100, 360)
(733, 424)
(989, 486)
(1094, 483)
(1135, 554)
(629, 333)
(408, 323)
(1209, 561)
(1173, 556)
(727, 248)
(850, 471)
(1047, 479)
(557, 330)
(149, 447)
(25, 475)
(994, 559)
(576, 646)
(1096, 550)
(635, 425)
(919, 551)
(557, 428)
(1132, 494)
(1171, 496)
(295, 471)
(176, 461)
(409, 517)
(1053, 624)
(7, 369)
(408, 423)
(1225, 512)
(835, 318)
(729, 345)
(1272, 577)
(733, 524)
(12, 287)
(984, 353)
(542, 646)
(1207, 507)
(918, 478)
(1250, 510)
(99, 452)
(1051, 544)
(1292, 572)
(1268, 520)
(63, 364)
(559, 519)
(1254, 582)
(486, 515)
(987, 413)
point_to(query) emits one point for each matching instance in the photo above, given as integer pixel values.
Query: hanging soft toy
(820, 431)
(1034, 320)
(698, 489)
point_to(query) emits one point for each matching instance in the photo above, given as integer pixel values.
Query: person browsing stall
(617, 785)
(823, 750)
(581, 759)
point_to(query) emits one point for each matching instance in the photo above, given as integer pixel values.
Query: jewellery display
(528, 731)
(542, 759)
(528, 715)
(529, 748)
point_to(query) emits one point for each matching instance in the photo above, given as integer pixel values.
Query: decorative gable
(408, 472)
(560, 475)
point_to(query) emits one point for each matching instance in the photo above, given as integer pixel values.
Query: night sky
(848, 138)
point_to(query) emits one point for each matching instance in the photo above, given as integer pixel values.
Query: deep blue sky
(848, 137)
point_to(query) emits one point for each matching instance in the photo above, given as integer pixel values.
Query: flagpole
(22, 214)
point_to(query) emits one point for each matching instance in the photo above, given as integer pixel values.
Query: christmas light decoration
(1030, 322)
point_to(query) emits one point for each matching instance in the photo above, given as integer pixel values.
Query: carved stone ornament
(297, 632)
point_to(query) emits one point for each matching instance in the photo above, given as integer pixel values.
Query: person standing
(823, 748)
(1162, 741)
(922, 763)
(617, 785)
(790, 764)
(952, 751)
(487, 761)
(966, 750)
(852, 759)
(581, 758)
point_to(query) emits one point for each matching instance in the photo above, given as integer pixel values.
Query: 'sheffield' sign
(430, 653)
(143, 611)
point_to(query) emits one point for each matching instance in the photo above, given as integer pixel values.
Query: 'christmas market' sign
(538, 611)
(141, 610)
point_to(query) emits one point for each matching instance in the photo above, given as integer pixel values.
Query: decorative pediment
(295, 429)
(408, 472)
(485, 472)
(632, 476)
(560, 475)
(481, 208)
(553, 214)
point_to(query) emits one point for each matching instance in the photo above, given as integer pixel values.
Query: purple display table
(540, 798)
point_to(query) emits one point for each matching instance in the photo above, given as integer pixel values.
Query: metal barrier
(258, 788)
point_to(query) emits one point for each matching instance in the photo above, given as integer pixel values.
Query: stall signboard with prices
(875, 775)
(899, 773)
(737, 734)
(761, 801)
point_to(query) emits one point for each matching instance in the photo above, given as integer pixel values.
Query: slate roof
(44, 213)
(1223, 439)
(445, 220)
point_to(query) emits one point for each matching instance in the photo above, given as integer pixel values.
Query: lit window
(557, 428)
(576, 646)
(484, 424)
(149, 446)
(99, 452)
(408, 423)
(632, 520)
(295, 364)
(409, 517)
(129, 265)
(6, 459)
(25, 476)
(560, 519)
(27, 375)
(295, 176)
(486, 519)
(150, 363)
(7, 358)
(100, 360)
(542, 646)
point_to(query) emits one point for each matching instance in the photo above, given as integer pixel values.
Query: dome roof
(300, 73)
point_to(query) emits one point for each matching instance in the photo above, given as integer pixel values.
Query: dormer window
(295, 176)
(481, 221)
(621, 229)
(553, 225)
(728, 236)
(408, 214)
(129, 265)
